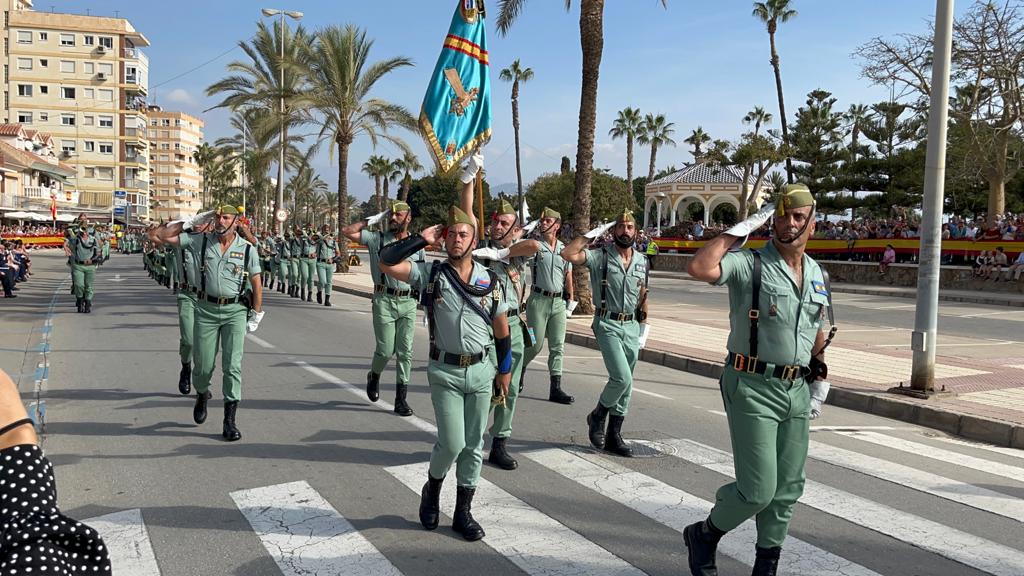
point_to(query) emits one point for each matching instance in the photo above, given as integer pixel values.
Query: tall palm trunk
(376, 193)
(629, 164)
(386, 191)
(592, 44)
(654, 156)
(342, 266)
(515, 130)
(782, 100)
(406, 182)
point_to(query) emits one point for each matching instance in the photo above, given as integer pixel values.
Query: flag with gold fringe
(455, 119)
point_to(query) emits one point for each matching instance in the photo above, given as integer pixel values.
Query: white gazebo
(708, 184)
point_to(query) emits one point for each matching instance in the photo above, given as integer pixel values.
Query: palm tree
(392, 173)
(516, 74)
(376, 167)
(410, 164)
(257, 83)
(341, 79)
(592, 44)
(627, 126)
(758, 117)
(304, 187)
(698, 138)
(655, 131)
(771, 12)
(204, 157)
(856, 117)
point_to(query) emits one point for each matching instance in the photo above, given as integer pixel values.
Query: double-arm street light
(270, 12)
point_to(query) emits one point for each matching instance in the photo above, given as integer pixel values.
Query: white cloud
(180, 96)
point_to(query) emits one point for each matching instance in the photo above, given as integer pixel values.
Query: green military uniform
(284, 263)
(269, 252)
(768, 405)
(545, 310)
(173, 264)
(85, 254)
(186, 271)
(307, 265)
(326, 250)
(295, 247)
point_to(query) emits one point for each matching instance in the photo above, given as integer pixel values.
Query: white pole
(280, 159)
(926, 318)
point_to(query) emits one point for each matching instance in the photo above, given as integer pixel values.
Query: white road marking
(922, 533)
(1015, 452)
(958, 345)
(948, 456)
(855, 427)
(933, 484)
(530, 539)
(127, 540)
(676, 509)
(655, 394)
(896, 307)
(850, 330)
(306, 535)
(719, 413)
(259, 341)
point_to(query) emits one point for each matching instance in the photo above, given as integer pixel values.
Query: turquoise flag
(456, 116)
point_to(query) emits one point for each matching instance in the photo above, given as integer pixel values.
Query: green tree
(204, 157)
(410, 165)
(697, 138)
(627, 126)
(655, 131)
(758, 117)
(817, 141)
(553, 190)
(377, 168)
(517, 75)
(771, 13)
(856, 117)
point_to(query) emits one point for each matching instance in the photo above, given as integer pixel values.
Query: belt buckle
(790, 372)
(739, 362)
(222, 301)
(752, 365)
(201, 294)
(464, 361)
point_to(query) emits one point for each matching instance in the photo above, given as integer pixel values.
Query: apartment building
(83, 80)
(175, 180)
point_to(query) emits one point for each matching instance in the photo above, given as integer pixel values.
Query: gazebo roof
(706, 173)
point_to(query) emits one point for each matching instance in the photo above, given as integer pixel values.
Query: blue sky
(699, 63)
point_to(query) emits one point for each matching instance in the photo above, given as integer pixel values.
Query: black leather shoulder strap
(755, 306)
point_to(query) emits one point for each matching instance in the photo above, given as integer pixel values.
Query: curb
(976, 428)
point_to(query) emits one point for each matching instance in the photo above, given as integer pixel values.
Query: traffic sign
(281, 215)
(119, 210)
(120, 201)
(120, 194)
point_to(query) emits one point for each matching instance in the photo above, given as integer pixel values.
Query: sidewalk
(983, 400)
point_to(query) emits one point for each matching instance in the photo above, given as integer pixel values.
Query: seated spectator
(1016, 268)
(698, 231)
(998, 261)
(888, 257)
(982, 264)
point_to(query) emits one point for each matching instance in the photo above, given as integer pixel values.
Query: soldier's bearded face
(225, 222)
(459, 240)
(625, 233)
(501, 227)
(399, 220)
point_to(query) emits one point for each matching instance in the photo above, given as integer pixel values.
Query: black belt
(460, 360)
(616, 316)
(546, 293)
(379, 289)
(220, 301)
(325, 260)
(742, 363)
(512, 312)
(83, 262)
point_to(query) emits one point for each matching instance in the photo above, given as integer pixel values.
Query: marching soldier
(618, 278)
(228, 282)
(327, 252)
(84, 252)
(269, 250)
(295, 263)
(778, 298)
(507, 258)
(394, 303)
(546, 308)
(284, 264)
(310, 239)
(467, 316)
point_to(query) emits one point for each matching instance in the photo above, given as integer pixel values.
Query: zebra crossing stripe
(530, 539)
(941, 454)
(1015, 452)
(933, 484)
(945, 541)
(127, 540)
(306, 535)
(676, 509)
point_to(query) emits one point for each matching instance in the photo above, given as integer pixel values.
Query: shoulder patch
(237, 254)
(819, 287)
(483, 281)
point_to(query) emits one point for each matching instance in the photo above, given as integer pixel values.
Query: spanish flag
(455, 119)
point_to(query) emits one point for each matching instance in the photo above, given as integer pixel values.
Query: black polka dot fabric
(36, 538)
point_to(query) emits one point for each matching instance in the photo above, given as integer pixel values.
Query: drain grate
(650, 448)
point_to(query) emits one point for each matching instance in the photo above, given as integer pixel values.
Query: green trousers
(307, 273)
(546, 315)
(502, 425)
(268, 269)
(620, 346)
(294, 265)
(82, 278)
(173, 266)
(223, 325)
(186, 325)
(394, 324)
(324, 275)
(768, 424)
(284, 270)
(461, 398)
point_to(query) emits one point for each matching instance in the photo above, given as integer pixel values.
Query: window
(153, 122)
(165, 158)
(107, 69)
(152, 134)
(165, 134)
(107, 42)
(166, 122)
(89, 146)
(106, 95)
(43, 63)
(67, 119)
(24, 89)
(44, 36)
(67, 146)
(88, 120)
(67, 39)
(88, 93)
(24, 37)
(165, 146)
(177, 122)
(24, 117)
(44, 89)
(105, 172)
(164, 180)
(88, 67)
(67, 92)
(106, 147)
(24, 63)
(67, 66)
(106, 121)
(88, 40)
(44, 116)
(89, 172)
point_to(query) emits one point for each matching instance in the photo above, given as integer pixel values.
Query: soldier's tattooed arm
(573, 251)
(256, 282)
(706, 264)
(524, 248)
(352, 230)
(570, 288)
(166, 234)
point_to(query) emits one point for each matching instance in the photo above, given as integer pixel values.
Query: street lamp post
(270, 12)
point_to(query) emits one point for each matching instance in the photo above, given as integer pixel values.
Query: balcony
(136, 158)
(96, 199)
(133, 83)
(136, 54)
(134, 184)
(134, 135)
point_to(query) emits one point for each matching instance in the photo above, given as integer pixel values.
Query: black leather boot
(595, 423)
(766, 562)
(463, 522)
(185, 378)
(372, 386)
(88, 306)
(199, 411)
(309, 295)
(401, 406)
(430, 502)
(230, 432)
(614, 442)
(302, 293)
(271, 285)
(701, 543)
(327, 299)
(556, 394)
(78, 304)
(499, 456)
(319, 296)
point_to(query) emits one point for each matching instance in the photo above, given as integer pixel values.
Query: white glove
(599, 231)
(645, 330)
(489, 253)
(755, 221)
(819, 392)
(476, 162)
(528, 229)
(376, 218)
(254, 320)
(570, 307)
(199, 220)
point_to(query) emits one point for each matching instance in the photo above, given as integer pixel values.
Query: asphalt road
(324, 482)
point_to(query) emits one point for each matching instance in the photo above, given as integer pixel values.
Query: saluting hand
(432, 235)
